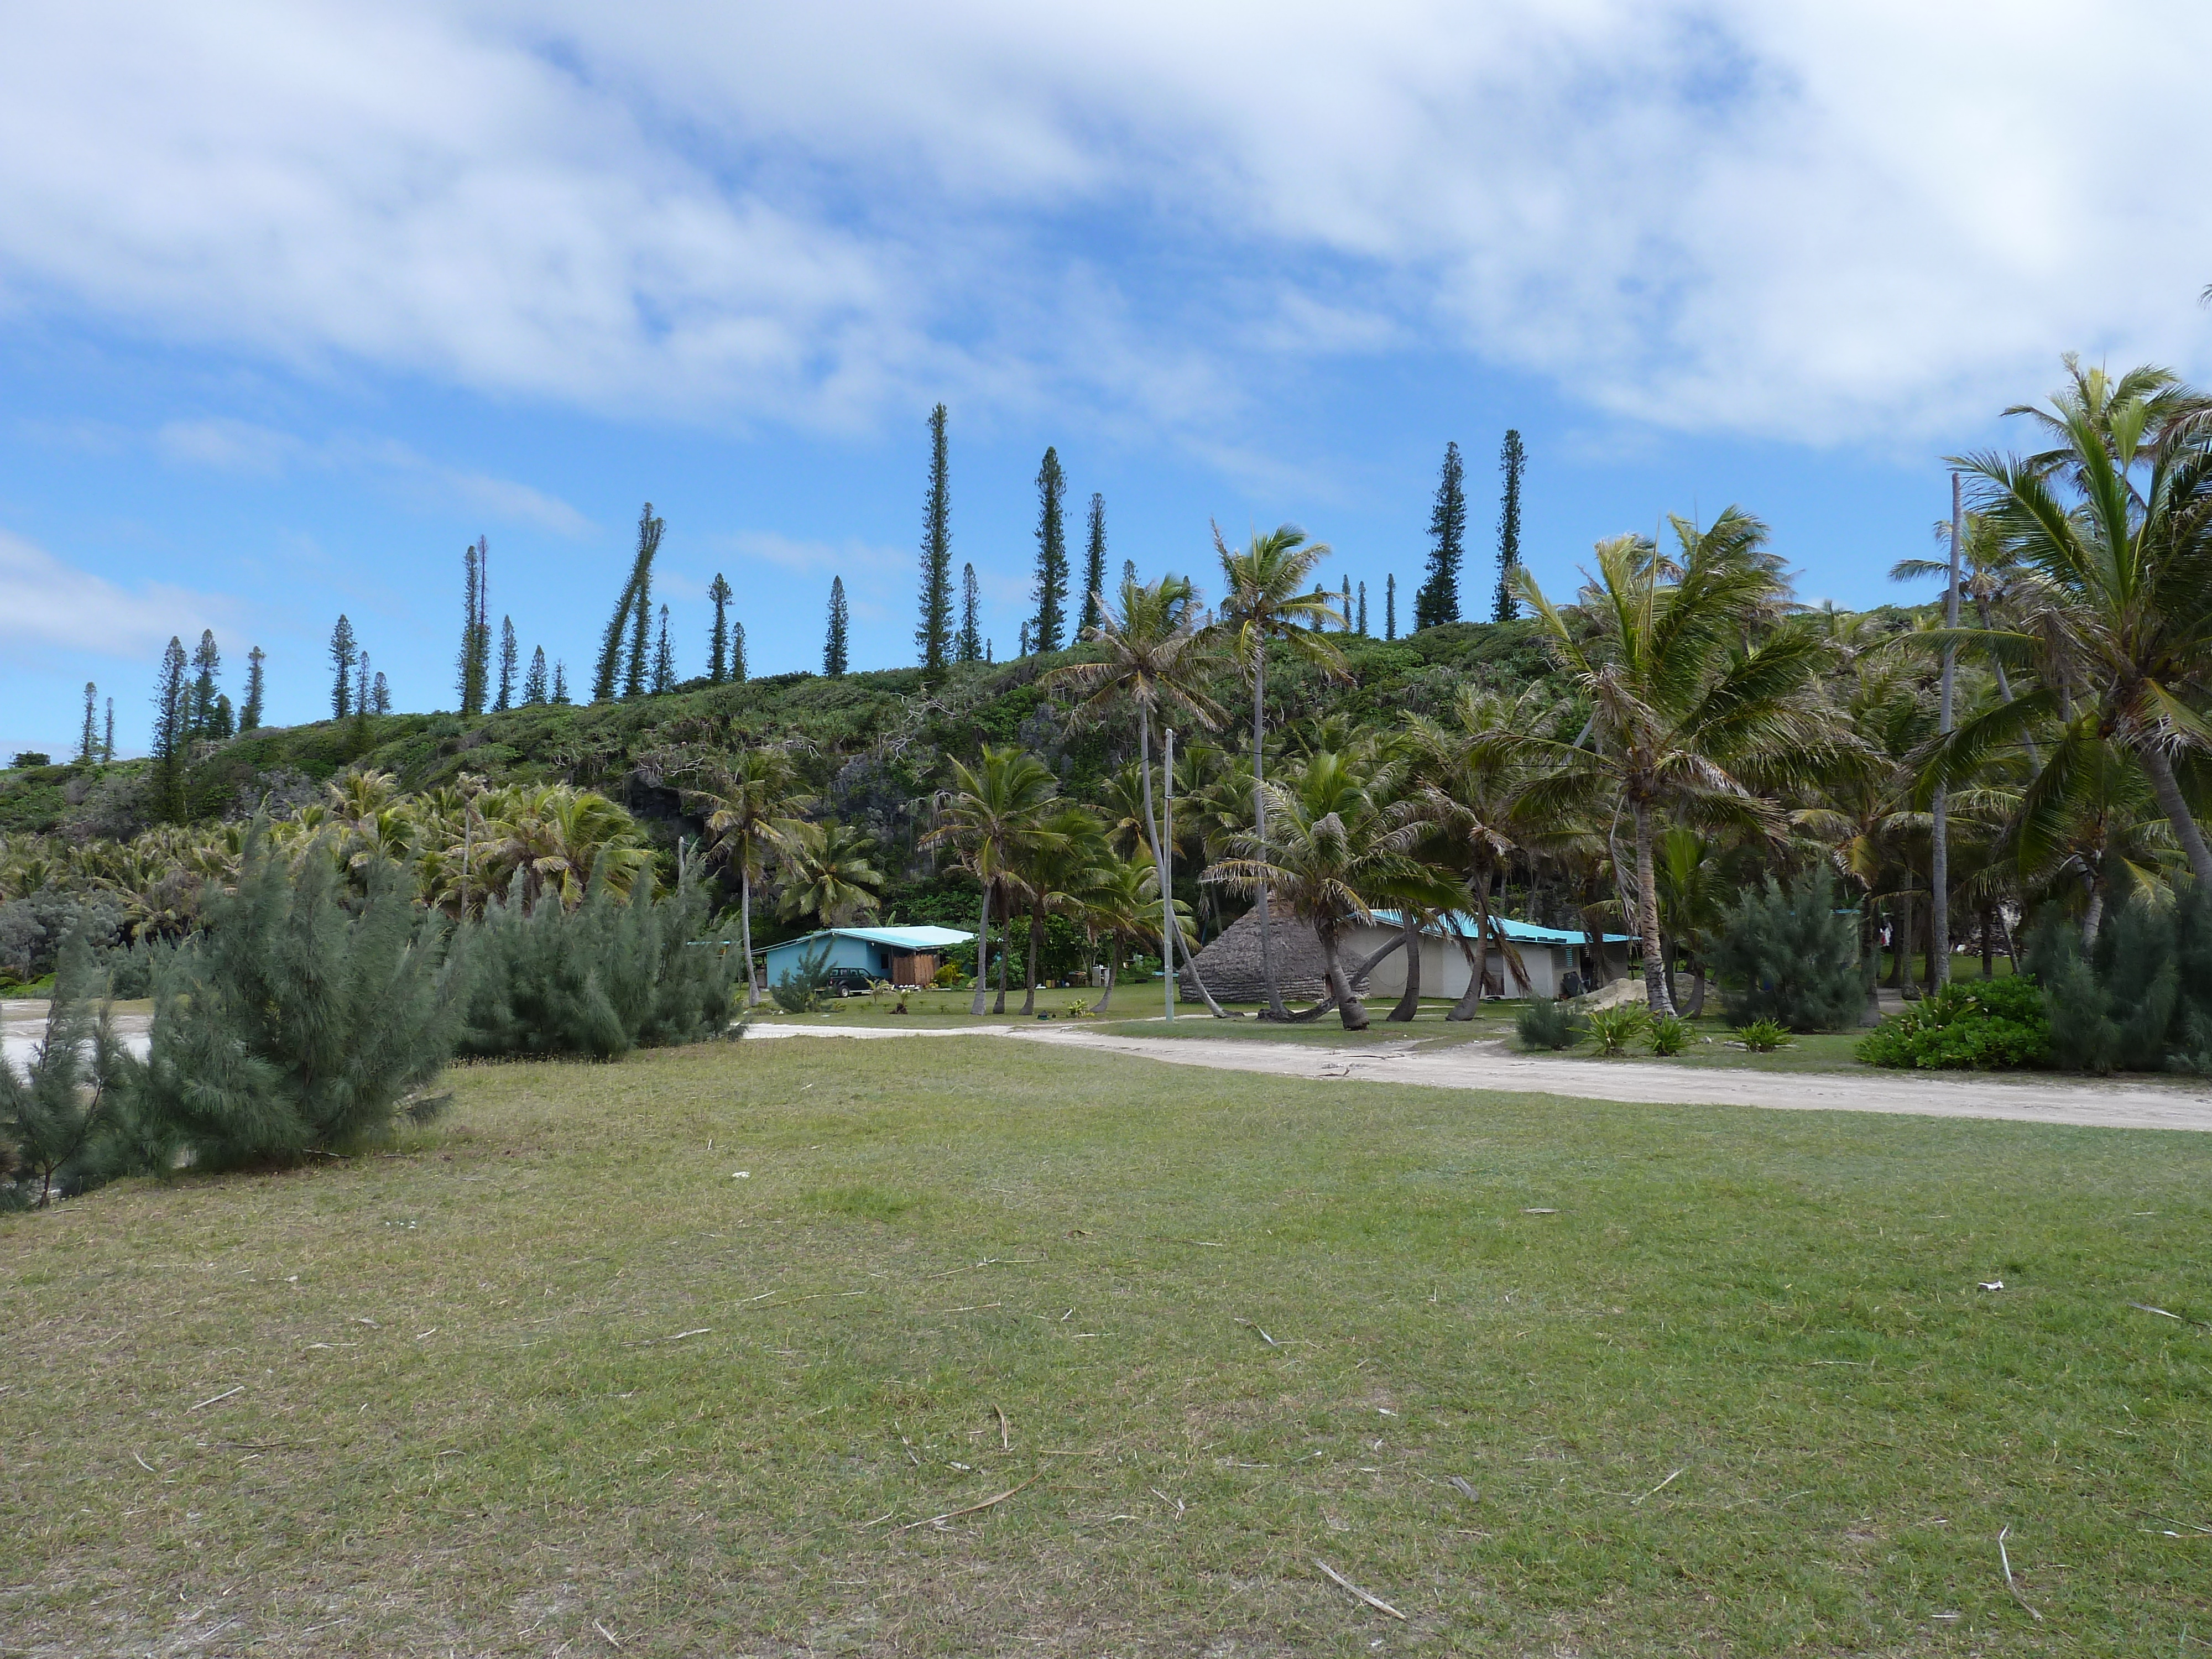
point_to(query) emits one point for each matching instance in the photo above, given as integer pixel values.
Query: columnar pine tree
(364, 703)
(664, 660)
(510, 659)
(380, 696)
(88, 745)
(1438, 601)
(970, 647)
(343, 653)
(1390, 607)
(833, 647)
(1094, 567)
(249, 717)
(629, 619)
(207, 663)
(107, 735)
(1345, 626)
(472, 668)
(718, 638)
(933, 633)
(533, 681)
(172, 731)
(560, 681)
(1050, 629)
(1511, 459)
(737, 652)
(1363, 610)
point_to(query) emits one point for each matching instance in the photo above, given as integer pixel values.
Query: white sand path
(2180, 1104)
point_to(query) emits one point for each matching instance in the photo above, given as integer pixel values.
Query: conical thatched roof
(1230, 962)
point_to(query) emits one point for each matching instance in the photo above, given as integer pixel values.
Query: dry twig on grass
(612, 1639)
(212, 1398)
(1660, 1487)
(1375, 1601)
(988, 1503)
(1264, 1337)
(1005, 1433)
(2004, 1560)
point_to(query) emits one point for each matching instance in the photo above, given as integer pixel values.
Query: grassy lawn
(549, 1379)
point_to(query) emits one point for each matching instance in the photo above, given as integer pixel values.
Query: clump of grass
(1614, 1029)
(1669, 1035)
(1542, 1023)
(865, 1201)
(1764, 1036)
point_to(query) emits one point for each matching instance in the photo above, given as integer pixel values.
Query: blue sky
(295, 300)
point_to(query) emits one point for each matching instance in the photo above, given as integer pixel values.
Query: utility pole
(1167, 863)
(1939, 862)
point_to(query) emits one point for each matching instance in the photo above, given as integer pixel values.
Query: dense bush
(1542, 1023)
(2141, 999)
(66, 1120)
(1669, 1035)
(32, 929)
(1790, 957)
(305, 1018)
(609, 976)
(1614, 1029)
(1978, 1026)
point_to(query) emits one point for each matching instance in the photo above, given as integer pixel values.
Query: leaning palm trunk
(1005, 950)
(1113, 972)
(2171, 801)
(1657, 992)
(1170, 934)
(1353, 1012)
(1478, 957)
(1275, 1009)
(982, 956)
(1409, 1003)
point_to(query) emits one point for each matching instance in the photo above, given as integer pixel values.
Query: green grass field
(549, 1378)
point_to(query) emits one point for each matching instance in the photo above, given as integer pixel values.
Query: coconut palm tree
(1156, 661)
(831, 878)
(1271, 595)
(559, 839)
(1054, 864)
(992, 815)
(1681, 709)
(2114, 528)
(1332, 849)
(1118, 900)
(751, 802)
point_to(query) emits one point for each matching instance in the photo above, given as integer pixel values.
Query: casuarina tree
(934, 633)
(1048, 630)
(1438, 601)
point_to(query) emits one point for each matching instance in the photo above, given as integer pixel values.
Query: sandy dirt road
(2095, 1103)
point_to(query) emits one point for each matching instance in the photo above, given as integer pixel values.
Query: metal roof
(1520, 933)
(902, 939)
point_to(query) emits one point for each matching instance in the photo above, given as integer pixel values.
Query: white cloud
(235, 446)
(852, 559)
(46, 605)
(1830, 223)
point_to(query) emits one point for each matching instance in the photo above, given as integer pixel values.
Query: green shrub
(2141, 999)
(65, 1120)
(1790, 957)
(1542, 1023)
(1669, 1035)
(305, 1018)
(610, 975)
(1764, 1036)
(798, 988)
(1979, 1026)
(1614, 1029)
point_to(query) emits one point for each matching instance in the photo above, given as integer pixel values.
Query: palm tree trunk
(1349, 1006)
(2167, 788)
(1005, 950)
(1159, 860)
(1410, 1003)
(1657, 992)
(1697, 987)
(1113, 972)
(1478, 959)
(1275, 1009)
(1036, 938)
(746, 931)
(2095, 916)
(982, 956)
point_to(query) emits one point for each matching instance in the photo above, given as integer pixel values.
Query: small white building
(1525, 960)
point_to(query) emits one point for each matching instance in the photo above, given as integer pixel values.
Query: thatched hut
(1231, 967)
